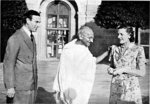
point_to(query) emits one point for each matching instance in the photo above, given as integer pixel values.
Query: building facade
(60, 20)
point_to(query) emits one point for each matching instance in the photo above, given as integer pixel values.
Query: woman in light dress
(127, 64)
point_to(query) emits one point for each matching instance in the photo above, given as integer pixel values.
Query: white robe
(76, 71)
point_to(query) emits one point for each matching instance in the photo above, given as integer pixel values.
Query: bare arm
(101, 57)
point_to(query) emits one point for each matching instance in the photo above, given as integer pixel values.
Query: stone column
(87, 10)
(33, 4)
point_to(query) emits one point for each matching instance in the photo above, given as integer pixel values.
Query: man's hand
(61, 95)
(110, 70)
(11, 92)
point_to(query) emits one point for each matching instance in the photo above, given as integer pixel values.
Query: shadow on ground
(45, 97)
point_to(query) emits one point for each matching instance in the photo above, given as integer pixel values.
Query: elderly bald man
(76, 71)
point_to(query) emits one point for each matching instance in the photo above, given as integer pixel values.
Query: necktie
(31, 37)
(33, 66)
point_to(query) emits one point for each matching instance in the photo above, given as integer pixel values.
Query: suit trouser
(24, 97)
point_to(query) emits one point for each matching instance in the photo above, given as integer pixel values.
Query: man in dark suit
(20, 67)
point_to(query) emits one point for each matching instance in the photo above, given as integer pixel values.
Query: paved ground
(100, 93)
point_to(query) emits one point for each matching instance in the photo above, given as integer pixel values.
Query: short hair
(29, 15)
(130, 31)
(83, 29)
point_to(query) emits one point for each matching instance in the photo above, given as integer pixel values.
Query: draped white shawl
(76, 72)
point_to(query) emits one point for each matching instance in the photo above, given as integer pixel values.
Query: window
(144, 38)
(58, 28)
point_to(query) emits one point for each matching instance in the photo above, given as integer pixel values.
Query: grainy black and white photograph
(74, 51)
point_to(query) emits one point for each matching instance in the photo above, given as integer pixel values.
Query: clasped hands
(116, 71)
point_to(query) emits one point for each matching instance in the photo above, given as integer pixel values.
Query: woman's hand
(119, 71)
(116, 71)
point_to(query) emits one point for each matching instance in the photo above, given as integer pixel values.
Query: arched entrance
(58, 26)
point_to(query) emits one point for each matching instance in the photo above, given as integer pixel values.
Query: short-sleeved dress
(125, 88)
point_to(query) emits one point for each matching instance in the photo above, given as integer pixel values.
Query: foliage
(112, 14)
(11, 19)
(12, 11)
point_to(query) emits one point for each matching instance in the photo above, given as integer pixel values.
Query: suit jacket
(20, 67)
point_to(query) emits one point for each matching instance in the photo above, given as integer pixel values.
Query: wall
(86, 11)
(144, 40)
